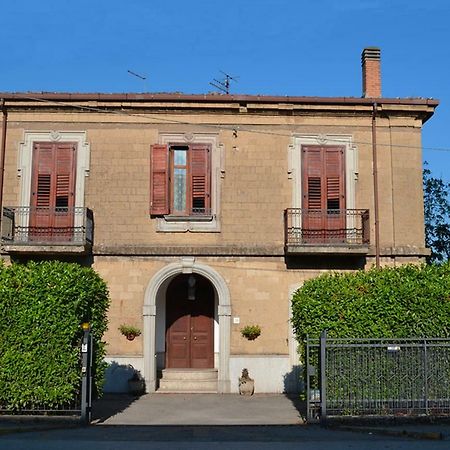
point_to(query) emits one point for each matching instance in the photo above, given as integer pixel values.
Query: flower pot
(246, 387)
(130, 336)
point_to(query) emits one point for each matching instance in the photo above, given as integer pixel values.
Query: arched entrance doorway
(153, 312)
(189, 332)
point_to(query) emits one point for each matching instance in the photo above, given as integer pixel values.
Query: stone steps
(188, 381)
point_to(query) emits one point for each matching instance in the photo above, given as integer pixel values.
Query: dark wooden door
(190, 324)
(53, 191)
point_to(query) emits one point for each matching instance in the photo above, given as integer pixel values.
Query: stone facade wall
(256, 186)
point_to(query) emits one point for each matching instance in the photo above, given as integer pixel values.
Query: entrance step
(188, 380)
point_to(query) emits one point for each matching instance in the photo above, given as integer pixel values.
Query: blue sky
(280, 47)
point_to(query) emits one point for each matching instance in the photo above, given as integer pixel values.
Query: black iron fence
(81, 403)
(377, 377)
(25, 225)
(326, 227)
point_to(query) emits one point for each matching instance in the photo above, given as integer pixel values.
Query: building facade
(204, 213)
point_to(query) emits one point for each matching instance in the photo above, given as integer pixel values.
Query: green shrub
(42, 306)
(405, 301)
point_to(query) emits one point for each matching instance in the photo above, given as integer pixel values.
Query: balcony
(327, 231)
(47, 230)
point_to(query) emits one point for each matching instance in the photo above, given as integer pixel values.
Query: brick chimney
(371, 73)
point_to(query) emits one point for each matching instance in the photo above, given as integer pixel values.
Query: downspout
(375, 185)
(2, 158)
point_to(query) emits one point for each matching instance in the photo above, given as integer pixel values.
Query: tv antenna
(141, 77)
(224, 85)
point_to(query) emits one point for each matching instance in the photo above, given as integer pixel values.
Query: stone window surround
(295, 163)
(197, 224)
(25, 162)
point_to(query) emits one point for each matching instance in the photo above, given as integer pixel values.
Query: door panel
(190, 324)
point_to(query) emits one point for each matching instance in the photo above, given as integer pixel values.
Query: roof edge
(205, 98)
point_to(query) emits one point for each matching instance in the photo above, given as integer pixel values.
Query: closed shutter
(159, 183)
(313, 186)
(200, 178)
(53, 191)
(334, 174)
(323, 184)
(42, 187)
(65, 176)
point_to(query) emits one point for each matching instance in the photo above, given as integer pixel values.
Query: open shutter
(159, 182)
(200, 179)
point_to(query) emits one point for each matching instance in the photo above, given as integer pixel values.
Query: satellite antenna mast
(142, 77)
(224, 85)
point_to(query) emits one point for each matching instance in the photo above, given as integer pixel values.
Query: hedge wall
(405, 301)
(41, 308)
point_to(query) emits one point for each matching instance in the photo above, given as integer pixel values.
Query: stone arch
(186, 266)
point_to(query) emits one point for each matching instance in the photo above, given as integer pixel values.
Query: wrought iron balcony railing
(25, 225)
(333, 227)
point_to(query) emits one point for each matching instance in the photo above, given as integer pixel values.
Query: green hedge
(41, 308)
(405, 301)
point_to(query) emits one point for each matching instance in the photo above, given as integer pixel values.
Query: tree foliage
(437, 216)
(405, 301)
(41, 308)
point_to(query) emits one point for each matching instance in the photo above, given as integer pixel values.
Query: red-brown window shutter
(53, 183)
(313, 187)
(42, 175)
(159, 183)
(335, 179)
(65, 175)
(200, 178)
(323, 177)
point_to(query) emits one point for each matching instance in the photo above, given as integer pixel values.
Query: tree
(437, 216)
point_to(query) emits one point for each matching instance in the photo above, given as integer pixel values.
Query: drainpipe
(375, 185)
(2, 157)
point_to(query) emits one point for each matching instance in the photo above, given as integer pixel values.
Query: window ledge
(190, 219)
(182, 224)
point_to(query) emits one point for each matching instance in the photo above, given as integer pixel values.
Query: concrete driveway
(198, 409)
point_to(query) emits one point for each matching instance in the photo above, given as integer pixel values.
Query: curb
(35, 428)
(420, 435)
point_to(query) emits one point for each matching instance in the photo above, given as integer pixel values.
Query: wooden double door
(190, 323)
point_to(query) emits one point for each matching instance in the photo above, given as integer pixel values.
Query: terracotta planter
(246, 387)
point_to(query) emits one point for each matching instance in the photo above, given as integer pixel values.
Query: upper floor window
(181, 180)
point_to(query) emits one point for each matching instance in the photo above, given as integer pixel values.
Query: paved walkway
(198, 409)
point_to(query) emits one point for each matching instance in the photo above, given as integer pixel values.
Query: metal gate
(81, 404)
(377, 377)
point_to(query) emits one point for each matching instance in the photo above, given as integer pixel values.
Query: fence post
(323, 378)
(425, 375)
(308, 384)
(86, 374)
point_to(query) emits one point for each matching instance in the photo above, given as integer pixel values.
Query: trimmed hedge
(42, 306)
(405, 301)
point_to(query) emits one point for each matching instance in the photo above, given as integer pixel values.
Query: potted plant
(251, 332)
(129, 331)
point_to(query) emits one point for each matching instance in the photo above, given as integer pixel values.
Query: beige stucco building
(204, 213)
